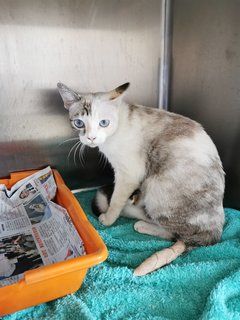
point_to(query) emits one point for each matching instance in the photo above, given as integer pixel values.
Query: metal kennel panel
(205, 77)
(87, 44)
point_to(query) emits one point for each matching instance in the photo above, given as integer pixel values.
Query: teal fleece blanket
(203, 284)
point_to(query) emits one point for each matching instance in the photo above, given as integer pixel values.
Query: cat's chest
(116, 151)
(123, 152)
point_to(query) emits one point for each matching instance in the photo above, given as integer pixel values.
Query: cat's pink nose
(91, 138)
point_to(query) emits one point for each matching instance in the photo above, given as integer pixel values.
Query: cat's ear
(119, 91)
(68, 95)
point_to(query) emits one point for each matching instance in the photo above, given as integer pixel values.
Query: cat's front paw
(106, 219)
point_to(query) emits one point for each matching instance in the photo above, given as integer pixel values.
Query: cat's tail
(160, 259)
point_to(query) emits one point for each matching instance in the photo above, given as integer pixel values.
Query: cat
(169, 158)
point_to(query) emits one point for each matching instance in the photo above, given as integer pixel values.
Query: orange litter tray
(56, 280)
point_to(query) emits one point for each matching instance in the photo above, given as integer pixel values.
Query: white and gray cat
(169, 158)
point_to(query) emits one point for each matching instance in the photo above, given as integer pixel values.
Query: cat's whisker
(81, 155)
(75, 152)
(106, 162)
(71, 139)
(83, 151)
(102, 160)
(71, 150)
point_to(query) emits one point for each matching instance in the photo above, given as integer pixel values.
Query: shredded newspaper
(34, 231)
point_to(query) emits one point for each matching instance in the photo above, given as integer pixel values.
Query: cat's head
(94, 115)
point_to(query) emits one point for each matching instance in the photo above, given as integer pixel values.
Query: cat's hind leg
(152, 229)
(133, 212)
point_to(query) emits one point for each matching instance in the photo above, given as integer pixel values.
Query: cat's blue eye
(78, 123)
(104, 123)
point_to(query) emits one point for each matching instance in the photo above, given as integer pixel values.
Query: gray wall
(206, 77)
(87, 44)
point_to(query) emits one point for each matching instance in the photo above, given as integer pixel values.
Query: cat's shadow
(51, 102)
